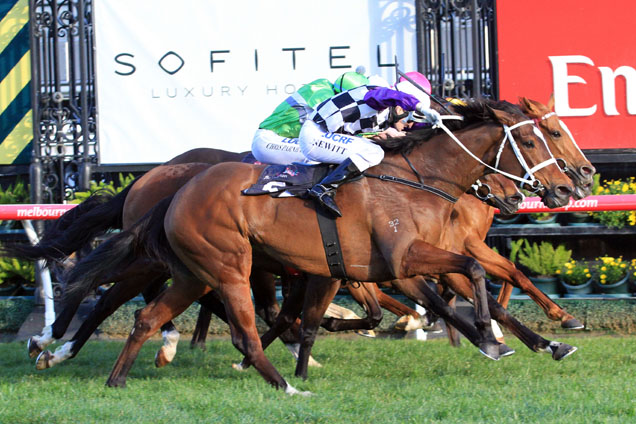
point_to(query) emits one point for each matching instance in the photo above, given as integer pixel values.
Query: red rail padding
(34, 212)
(609, 202)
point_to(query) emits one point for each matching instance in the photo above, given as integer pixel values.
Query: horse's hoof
(240, 367)
(33, 348)
(200, 345)
(366, 333)
(561, 351)
(572, 324)
(436, 328)
(313, 363)
(505, 350)
(116, 382)
(490, 350)
(160, 359)
(43, 361)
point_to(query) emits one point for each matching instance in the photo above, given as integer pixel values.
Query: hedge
(13, 312)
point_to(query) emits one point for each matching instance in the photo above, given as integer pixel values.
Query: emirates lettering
(562, 79)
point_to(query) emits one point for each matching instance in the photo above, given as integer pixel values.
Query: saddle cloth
(287, 180)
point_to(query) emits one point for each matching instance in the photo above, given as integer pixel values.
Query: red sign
(583, 52)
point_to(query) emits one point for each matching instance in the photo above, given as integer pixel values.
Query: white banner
(172, 76)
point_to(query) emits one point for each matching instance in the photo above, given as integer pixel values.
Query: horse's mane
(474, 111)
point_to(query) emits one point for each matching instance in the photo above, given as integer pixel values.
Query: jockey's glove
(432, 116)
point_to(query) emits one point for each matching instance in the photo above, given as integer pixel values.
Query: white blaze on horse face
(393, 224)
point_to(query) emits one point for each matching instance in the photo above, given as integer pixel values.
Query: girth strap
(331, 244)
(413, 184)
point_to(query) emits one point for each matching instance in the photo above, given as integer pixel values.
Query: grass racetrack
(362, 381)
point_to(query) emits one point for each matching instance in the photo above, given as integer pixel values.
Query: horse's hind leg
(169, 332)
(170, 303)
(201, 329)
(108, 303)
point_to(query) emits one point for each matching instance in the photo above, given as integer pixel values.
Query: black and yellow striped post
(16, 115)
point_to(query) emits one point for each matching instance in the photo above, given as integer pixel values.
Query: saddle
(288, 180)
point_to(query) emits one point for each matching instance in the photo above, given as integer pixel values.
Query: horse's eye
(527, 143)
(555, 134)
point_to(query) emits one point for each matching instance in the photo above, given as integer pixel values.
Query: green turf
(362, 381)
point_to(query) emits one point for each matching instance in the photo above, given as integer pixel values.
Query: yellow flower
(590, 275)
(568, 272)
(603, 268)
(625, 188)
(558, 271)
(586, 270)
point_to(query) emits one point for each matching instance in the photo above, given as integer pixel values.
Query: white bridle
(529, 176)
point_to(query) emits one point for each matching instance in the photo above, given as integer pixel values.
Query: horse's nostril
(587, 170)
(563, 190)
(515, 199)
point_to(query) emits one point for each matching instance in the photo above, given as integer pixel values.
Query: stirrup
(324, 196)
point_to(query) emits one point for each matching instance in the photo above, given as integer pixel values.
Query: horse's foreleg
(425, 259)
(242, 320)
(534, 341)
(320, 293)
(290, 311)
(500, 267)
(419, 291)
(365, 295)
(409, 319)
(170, 303)
(453, 335)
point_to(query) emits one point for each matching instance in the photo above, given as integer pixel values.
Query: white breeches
(323, 146)
(269, 147)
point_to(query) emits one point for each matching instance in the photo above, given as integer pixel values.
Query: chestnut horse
(134, 210)
(215, 233)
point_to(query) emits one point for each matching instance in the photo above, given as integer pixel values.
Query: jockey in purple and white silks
(276, 140)
(331, 133)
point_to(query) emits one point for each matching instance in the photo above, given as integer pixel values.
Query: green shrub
(13, 270)
(13, 312)
(542, 259)
(15, 193)
(104, 188)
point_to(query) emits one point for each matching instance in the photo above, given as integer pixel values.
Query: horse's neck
(445, 165)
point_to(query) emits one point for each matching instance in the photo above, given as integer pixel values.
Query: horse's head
(562, 145)
(499, 192)
(533, 158)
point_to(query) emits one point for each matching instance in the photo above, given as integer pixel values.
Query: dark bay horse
(216, 235)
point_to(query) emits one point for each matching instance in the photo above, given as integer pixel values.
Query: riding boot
(325, 190)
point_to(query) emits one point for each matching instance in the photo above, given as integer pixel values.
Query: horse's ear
(529, 107)
(502, 117)
(550, 104)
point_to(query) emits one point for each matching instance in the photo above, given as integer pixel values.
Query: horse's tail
(75, 229)
(144, 240)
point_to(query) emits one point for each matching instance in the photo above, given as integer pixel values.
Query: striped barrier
(611, 202)
(16, 114)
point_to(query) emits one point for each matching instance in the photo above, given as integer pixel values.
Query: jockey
(330, 135)
(276, 140)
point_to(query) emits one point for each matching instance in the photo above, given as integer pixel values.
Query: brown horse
(214, 235)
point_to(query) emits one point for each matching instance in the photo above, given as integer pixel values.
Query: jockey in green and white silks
(276, 140)
(332, 134)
